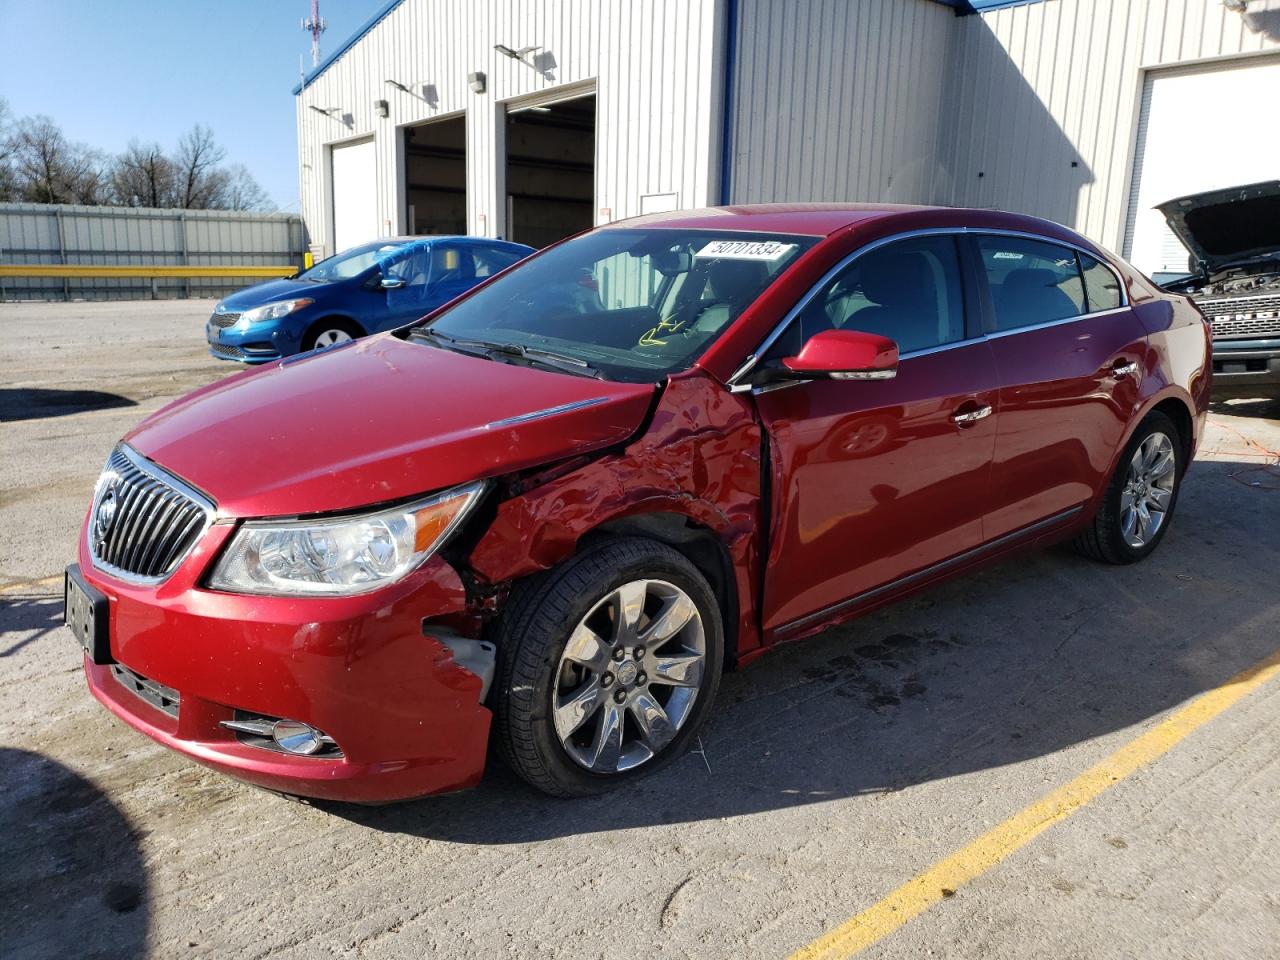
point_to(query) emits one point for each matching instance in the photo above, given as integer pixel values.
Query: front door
(872, 481)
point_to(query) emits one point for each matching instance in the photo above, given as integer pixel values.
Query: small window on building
(1100, 284)
(1031, 281)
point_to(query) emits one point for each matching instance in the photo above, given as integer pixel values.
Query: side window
(411, 269)
(909, 291)
(449, 264)
(489, 262)
(1100, 285)
(1031, 281)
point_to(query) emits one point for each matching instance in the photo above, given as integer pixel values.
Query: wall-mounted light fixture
(327, 111)
(476, 82)
(520, 54)
(398, 85)
(382, 108)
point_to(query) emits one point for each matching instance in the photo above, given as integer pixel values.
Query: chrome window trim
(178, 485)
(736, 386)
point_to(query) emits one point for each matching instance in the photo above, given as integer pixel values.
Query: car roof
(434, 237)
(809, 219)
(824, 219)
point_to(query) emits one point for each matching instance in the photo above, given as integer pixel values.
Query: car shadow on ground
(35, 403)
(1015, 662)
(74, 884)
(1263, 407)
(32, 616)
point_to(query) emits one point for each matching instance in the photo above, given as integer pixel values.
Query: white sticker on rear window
(766, 250)
(1006, 255)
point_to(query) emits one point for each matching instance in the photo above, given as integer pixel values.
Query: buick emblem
(106, 515)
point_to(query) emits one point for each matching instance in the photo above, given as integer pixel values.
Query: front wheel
(1138, 504)
(608, 666)
(330, 333)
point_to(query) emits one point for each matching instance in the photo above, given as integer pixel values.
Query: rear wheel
(608, 666)
(1138, 504)
(329, 333)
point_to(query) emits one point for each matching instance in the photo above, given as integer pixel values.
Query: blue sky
(109, 71)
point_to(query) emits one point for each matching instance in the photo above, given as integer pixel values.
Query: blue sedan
(373, 287)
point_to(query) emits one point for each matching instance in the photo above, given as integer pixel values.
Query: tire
(1106, 538)
(328, 332)
(542, 682)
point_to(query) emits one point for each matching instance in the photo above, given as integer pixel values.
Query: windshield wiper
(533, 355)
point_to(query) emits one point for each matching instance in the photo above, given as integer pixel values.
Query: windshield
(634, 305)
(348, 263)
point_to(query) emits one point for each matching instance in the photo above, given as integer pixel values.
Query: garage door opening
(435, 171)
(551, 170)
(1170, 163)
(355, 194)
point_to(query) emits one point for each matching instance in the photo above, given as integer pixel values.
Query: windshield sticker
(763, 250)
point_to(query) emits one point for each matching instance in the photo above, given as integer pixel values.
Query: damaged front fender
(700, 458)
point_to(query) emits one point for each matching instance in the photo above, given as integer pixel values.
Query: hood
(1228, 228)
(378, 420)
(270, 292)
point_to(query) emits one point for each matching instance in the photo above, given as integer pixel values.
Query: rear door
(875, 480)
(1068, 355)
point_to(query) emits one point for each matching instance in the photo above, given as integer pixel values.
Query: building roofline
(314, 73)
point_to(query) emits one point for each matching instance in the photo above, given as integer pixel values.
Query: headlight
(274, 311)
(342, 556)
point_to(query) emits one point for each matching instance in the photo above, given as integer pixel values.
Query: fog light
(294, 736)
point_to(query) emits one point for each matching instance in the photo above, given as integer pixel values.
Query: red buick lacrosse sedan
(549, 515)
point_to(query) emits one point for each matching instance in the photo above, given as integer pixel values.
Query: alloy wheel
(629, 675)
(1148, 490)
(332, 337)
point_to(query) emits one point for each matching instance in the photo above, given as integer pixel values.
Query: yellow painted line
(73, 270)
(25, 585)
(944, 878)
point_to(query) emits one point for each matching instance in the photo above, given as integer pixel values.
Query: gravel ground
(832, 771)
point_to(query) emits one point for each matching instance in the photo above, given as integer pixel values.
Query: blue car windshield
(349, 263)
(633, 304)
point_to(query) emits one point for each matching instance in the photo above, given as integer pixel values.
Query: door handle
(1124, 369)
(971, 416)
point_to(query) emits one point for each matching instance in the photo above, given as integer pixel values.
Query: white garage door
(1201, 129)
(355, 195)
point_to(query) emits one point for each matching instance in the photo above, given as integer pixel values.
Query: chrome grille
(1243, 316)
(144, 520)
(226, 350)
(165, 699)
(224, 320)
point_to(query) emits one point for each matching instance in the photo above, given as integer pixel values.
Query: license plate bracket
(86, 611)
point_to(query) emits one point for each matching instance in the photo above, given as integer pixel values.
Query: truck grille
(1243, 316)
(224, 320)
(144, 520)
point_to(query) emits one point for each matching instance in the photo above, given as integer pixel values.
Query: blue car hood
(271, 291)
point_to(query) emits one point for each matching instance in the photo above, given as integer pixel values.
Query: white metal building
(532, 119)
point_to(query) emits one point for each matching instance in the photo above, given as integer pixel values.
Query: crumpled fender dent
(699, 458)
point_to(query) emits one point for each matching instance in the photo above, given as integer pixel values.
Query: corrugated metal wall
(652, 64)
(1038, 88)
(57, 234)
(838, 99)
(1032, 108)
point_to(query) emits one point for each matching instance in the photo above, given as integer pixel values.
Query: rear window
(1031, 281)
(1100, 285)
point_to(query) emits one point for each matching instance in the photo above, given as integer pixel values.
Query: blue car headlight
(274, 311)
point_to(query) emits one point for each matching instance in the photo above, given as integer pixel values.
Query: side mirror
(842, 355)
(392, 283)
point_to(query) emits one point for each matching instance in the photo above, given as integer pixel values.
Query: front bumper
(258, 343)
(365, 670)
(1246, 368)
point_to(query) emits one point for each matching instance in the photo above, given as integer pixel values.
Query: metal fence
(34, 233)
